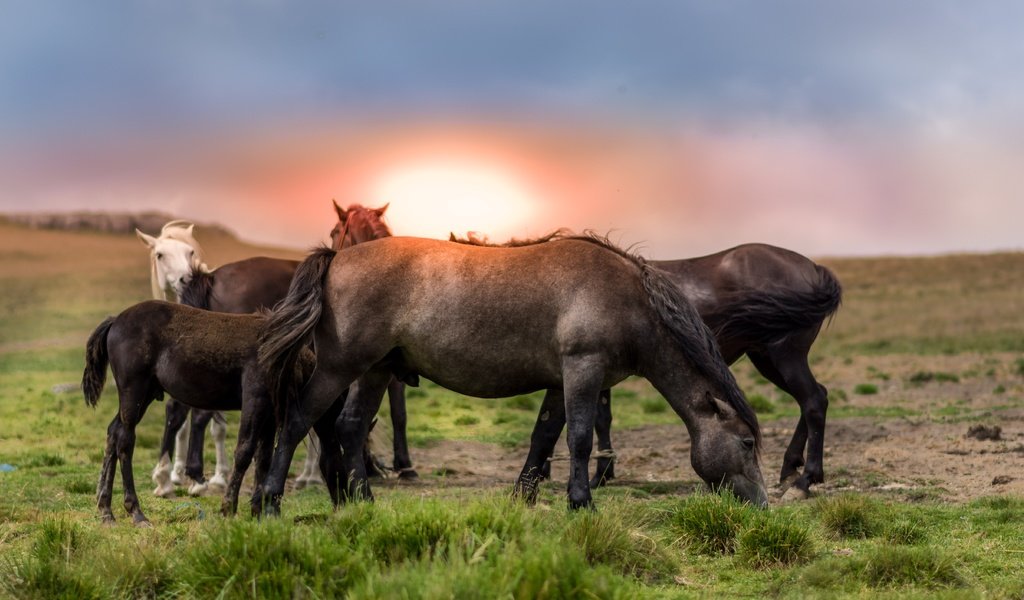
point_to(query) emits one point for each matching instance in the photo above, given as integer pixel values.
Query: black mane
(198, 289)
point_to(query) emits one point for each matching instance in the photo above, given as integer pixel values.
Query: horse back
(252, 284)
(450, 304)
(196, 356)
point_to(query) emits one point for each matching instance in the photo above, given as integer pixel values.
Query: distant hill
(107, 222)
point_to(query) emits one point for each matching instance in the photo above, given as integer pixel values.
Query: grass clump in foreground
(710, 523)
(848, 515)
(775, 540)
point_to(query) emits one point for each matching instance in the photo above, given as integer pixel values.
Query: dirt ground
(926, 454)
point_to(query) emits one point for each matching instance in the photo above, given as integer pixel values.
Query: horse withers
(573, 316)
(207, 361)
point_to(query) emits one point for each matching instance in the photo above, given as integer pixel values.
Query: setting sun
(431, 200)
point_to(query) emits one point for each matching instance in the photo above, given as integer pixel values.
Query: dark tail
(767, 316)
(695, 340)
(96, 359)
(291, 323)
(198, 289)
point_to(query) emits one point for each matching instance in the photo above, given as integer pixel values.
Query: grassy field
(907, 329)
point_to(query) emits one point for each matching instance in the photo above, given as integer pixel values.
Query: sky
(832, 128)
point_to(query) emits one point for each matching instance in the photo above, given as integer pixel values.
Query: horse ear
(191, 226)
(380, 211)
(451, 237)
(146, 239)
(718, 407)
(342, 214)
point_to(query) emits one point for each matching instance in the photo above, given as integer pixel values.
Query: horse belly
(203, 388)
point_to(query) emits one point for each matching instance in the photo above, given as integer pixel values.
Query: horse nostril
(181, 280)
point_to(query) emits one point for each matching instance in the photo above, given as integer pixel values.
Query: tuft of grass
(610, 539)
(775, 540)
(865, 389)
(999, 389)
(847, 515)
(889, 566)
(59, 539)
(760, 404)
(922, 377)
(904, 532)
(420, 530)
(44, 459)
(269, 559)
(465, 420)
(709, 523)
(80, 486)
(652, 406)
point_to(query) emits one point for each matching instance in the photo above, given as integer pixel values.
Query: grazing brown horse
(763, 301)
(357, 225)
(573, 316)
(207, 360)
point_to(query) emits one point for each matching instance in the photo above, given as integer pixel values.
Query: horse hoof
(408, 474)
(795, 494)
(199, 489)
(217, 483)
(166, 493)
(142, 522)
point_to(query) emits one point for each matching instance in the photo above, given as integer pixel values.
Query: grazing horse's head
(358, 224)
(724, 450)
(173, 255)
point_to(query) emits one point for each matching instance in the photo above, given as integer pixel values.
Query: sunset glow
(431, 200)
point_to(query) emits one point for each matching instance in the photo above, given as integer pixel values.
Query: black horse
(206, 360)
(760, 300)
(573, 316)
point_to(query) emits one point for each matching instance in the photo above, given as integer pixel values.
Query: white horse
(172, 257)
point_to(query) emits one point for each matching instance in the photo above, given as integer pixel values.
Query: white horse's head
(172, 257)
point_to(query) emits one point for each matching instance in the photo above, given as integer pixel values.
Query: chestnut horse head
(358, 224)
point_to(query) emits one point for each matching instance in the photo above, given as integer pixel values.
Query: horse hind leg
(605, 470)
(105, 486)
(402, 462)
(581, 382)
(353, 427)
(310, 474)
(788, 369)
(176, 414)
(133, 406)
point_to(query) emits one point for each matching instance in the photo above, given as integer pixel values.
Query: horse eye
(159, 255)
(748, 443)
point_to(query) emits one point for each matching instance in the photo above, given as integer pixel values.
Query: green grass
(865, 389)
(436, 540)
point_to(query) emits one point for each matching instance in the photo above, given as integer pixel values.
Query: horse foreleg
(219, 430)
(194, 467)
(353, 426)
(546, 432)
(181, 441)
(175, 415)
(605, 455)
(402, 461)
